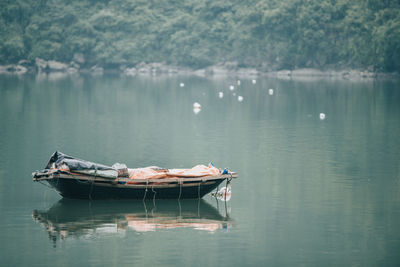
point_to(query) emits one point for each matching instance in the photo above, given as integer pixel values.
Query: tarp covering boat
(64, 162)
(157, 173)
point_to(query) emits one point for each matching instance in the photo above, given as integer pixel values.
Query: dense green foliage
(269, 34)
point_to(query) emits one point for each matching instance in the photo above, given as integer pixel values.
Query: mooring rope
(91, 189)
(82, 182)
(180, 188)
(215, 194)
(145, 191)
(180, 209)
(198, 208)
(199, 190)
(226, 191)
(40, 182)
(216, 200)
(51, 187)
(154, 195)
(78, 180)
(91, 186)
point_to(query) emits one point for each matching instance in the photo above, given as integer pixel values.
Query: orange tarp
(152, 173)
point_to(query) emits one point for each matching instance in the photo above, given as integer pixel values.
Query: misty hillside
(268, 35)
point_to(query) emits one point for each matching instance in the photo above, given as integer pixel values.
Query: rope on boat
(51, 187)
(216, 200)
(91, 186)
(226, 188)
(145, 208)
(180, 209)
(180, 188)
(154, 195)
(214, 194)
(91, 189)
(152, 189)
(145, 191)
(199, 190)
(80, 181)
(40, 182)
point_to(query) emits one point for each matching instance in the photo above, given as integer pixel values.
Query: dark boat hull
(74, 188)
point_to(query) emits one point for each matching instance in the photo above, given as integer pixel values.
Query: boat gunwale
(122, 182)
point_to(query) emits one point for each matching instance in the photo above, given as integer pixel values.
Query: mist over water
(310, 191)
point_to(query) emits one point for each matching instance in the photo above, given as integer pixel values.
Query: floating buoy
(240, 98)
(322, 116)
(225, 193)
(196, 110)
(220, 94)
(182, 85)
(270, 91)
(196, 105)
(238, 82)
(234, 94)
(254, 81)
(231, 87)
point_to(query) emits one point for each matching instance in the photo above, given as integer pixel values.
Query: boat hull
(80, 189)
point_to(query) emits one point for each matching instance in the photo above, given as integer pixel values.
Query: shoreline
(228, 69)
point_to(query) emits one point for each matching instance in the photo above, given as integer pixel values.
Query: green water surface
(310, 192)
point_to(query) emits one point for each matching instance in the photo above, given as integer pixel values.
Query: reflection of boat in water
(82, 218)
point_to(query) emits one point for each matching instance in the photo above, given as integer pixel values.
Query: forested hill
(269, 34)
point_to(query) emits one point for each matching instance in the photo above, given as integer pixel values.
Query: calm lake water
(310, 192)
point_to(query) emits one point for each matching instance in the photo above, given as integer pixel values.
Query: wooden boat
(87, 180)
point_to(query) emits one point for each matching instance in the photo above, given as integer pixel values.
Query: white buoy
(231, 87)
(182, 85)
(322, 116)
(220, 94)
(270, 91)
(196, 110)
(196, 105)
(238, 82)
(224, 194)
(240, 98)
(254, 81)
